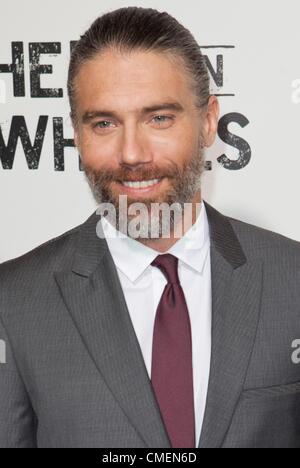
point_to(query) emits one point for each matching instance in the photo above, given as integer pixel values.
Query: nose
(134, 150)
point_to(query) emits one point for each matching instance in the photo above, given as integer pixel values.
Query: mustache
(133, 175)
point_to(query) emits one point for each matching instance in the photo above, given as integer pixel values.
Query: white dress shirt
(144, 284)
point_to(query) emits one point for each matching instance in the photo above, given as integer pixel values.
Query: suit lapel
(236, 292)
(95, 300)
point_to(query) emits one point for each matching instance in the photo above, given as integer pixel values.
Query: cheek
(177, 149)
(96, 152)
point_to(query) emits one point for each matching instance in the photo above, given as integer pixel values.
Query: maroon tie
(172, 369)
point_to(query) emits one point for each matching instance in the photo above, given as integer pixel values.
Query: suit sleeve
(17, 418)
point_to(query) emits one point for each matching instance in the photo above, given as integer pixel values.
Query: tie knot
(168, 264)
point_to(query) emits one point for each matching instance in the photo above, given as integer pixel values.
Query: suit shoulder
(49, 255)
(262, 242)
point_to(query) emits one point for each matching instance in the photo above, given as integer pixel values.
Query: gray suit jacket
(74, 374)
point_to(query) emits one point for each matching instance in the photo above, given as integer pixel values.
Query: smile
(141, 184)
(140, 187)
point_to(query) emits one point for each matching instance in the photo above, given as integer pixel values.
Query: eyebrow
(173, 106)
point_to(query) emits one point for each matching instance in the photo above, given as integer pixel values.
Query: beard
(184, 182)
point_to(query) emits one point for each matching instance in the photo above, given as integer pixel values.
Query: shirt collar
(133, 258)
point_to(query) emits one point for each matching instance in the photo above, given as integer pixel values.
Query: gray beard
(153, 225)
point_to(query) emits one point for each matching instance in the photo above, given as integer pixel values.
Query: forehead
(130, 80)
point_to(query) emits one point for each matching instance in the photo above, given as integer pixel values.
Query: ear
(76, 138)
(75, 129)
(211, 119)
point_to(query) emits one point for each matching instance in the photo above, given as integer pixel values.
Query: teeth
(142, 184)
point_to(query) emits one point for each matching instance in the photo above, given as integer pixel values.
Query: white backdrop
(253, 50)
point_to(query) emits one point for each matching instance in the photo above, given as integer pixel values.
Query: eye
(162, 118)
(103, 124)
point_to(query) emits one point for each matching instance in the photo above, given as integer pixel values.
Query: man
(118, 337)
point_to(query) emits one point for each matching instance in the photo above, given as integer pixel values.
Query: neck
(163, 244)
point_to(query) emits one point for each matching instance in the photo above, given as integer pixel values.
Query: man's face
(138, 130)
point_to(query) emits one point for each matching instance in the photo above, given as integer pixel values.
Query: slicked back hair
(141, 29)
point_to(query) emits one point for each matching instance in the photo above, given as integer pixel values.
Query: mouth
(139, 187)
